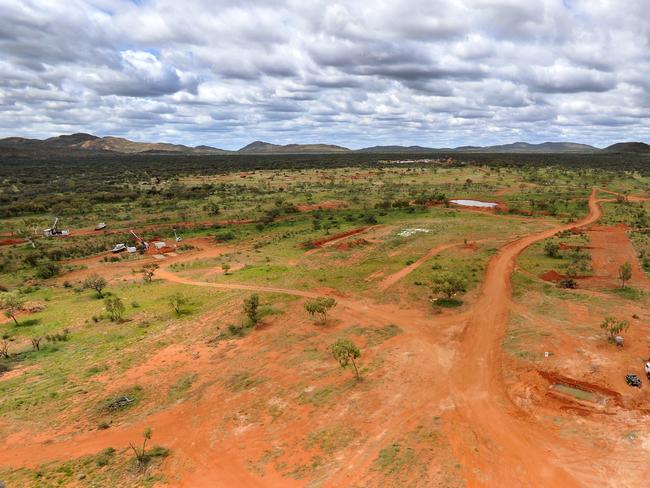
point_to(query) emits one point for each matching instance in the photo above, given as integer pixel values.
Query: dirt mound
(552, 276)
(345, 246)
(567, 247)
(341, 235)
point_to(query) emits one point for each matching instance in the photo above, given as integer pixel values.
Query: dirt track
(496, 444)
(510, 452)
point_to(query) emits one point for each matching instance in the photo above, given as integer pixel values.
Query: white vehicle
(119, 248)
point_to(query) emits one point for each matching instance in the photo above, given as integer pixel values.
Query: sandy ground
(450, 366)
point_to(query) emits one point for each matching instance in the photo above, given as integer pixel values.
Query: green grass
(63, 371)
(332, 439)
(242, 381)
(375, 336)
(179, 389)
(576, 392)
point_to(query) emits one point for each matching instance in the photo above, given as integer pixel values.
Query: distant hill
(121, 145)
(82, 143)
(260, 147)
(524, 147)
(385, 149)
(629, 147)
(517, 147)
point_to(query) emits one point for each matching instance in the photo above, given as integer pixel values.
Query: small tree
(212, 207)
(177, 301)
(12, 302)
(115, 308)
(613, 327)
(345, 352)
(251, 306)
(552, 249)
(448, 284)
(625, 273)
(95, 282)
(4, 349)
(141, 457)
(320, 306)
(36, 343)
(225, 267)
(147, 271)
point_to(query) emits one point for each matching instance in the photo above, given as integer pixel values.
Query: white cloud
(430, 72)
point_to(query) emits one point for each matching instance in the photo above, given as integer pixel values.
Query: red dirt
(345, 246)
(552, 275)
(326, 205)
(566, 247)
(337, 237)
(610, 248)
(456, 372)
(484, 411)
(402, 273)
(9, 242)
(556, 378)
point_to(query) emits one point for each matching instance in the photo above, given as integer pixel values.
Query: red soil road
(404, 272)
(496, 445)
(630, 198)
(509, 450)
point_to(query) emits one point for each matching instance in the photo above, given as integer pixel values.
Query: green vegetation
(144, 457)
(320, 306)
(177, 301)
(448, 284)
(115, 308)
(12, 303)
(613, 327)
(127, 349)
(148, 271)
(624, 273)
(345, 352)
(251, 309)
(95, 282)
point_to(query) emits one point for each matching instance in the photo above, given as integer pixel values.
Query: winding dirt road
(495, 445)
(509, 452)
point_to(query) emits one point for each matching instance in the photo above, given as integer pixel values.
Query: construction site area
(383, 325)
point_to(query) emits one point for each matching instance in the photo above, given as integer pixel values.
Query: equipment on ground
(619, 341)
(100, 226)
(139, 241)
(119, 248)
(54, 231)
(177, 237)
(633, 380)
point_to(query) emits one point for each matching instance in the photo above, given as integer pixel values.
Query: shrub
(250, 307)
(345, 352)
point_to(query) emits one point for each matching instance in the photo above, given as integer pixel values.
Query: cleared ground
(460, 396)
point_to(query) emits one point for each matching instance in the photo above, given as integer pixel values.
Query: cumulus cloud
(429, 72)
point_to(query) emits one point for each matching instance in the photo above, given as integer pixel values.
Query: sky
(438, 73)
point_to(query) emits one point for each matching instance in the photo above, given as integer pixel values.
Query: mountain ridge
(82, 143)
